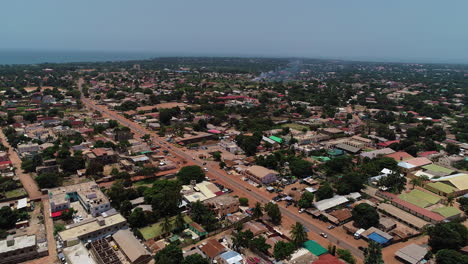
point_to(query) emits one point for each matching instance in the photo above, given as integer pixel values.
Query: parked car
(323, 235)
(331, 226)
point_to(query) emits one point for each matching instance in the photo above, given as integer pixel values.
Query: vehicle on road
(331, 226)
(302, 210)
(323, 235)
(248, 189)
(206, 169)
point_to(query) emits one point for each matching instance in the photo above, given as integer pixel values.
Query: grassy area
(155, 230)
(15, 193)
(145, 182)
(295, 126)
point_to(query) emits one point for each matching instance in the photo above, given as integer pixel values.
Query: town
(234, 160)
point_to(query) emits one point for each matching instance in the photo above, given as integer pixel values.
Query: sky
(396, 30)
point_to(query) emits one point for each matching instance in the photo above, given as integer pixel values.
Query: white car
(324, 235)
(206, 169)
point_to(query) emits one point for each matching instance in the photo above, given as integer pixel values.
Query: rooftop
(412, 253)
(447, 212)
(19, 243)
(74, 232)
(130, 245)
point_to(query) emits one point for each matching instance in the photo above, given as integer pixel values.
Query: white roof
(386, 171)
(268, 140)
(310, 189)
(22, 203)
(326, 204)
(405, 165)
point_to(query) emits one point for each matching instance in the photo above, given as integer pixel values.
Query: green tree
(447, 236)
(365, 216)
(8, 217)
(283, 250)
(449, 256)
(217, 156)
(171, 254)
(394, 182)
(373, 254)
(48, 180)
(179, 222)
(137, 218)
(307, 198)
(243, 201)
(190, 173)
(452, 149)
(298, 234)
(195, 259)
(164, 197)
(257, 211)
(242, 239)
(68, 214)
(259, 243)
(126, 208)
(300, 168)
(273, 212)
(166, 225)
(324, 192)
(346, 255)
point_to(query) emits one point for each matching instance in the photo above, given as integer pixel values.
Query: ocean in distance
(37, 57)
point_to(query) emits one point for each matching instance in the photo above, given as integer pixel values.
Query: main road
(233, 184)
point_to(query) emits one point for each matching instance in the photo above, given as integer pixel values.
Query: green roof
(419, 198)
(437, 168)
(335, 152)
(277, 139)
(321, 158)
(314, 248)
(447, 211)
(441, 187)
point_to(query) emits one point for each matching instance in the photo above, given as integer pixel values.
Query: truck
(358, 233)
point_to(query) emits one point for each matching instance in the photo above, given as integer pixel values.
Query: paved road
(304, 219)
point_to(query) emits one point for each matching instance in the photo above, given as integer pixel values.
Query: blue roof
(378, 238)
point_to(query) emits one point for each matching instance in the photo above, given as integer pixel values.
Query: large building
(261, 175)
(88, 194)
(223, 205)
(92, 229)
(131, 247)
(20, 249)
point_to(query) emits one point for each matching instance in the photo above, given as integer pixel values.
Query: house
(261, 175)
(399, 156)
(326, 204)
(230, 257)
(90, 196)
(411, 254)
(101, 155)
(212, 248)
(342, 216)
(229, 146)
(301, 256)
(131, 247)
(31, 149)
(20, 249)
(376, 153)
(197, 229)
(256, 228)
(223, 205)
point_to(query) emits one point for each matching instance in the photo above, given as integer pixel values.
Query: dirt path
(29, 184)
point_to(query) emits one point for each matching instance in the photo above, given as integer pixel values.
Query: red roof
(427, 153)
(7, 162)
(328, 259)
(58, 213)
(388, 143)
(434, 216)
(399, 156)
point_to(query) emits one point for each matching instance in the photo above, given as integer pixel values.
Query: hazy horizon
(394, 31)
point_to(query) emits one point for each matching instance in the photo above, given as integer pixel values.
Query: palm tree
(416, 181)
(166, 225)
(298, 234)
(179, 222)
(257, 211)
(450, 200)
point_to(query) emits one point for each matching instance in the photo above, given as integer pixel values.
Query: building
(261, 175)
(28, 149)
(88, 194)
(131, 247)
(411, 254)
(122, 134)
(92, 229)
(212, 248)
(302, 256)
(376, 153)
(230, 257)
(101, 155)
(229, 146)
(20, 249)
(326, 204)
(223, 205)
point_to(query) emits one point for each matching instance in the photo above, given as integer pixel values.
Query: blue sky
(360, 29)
